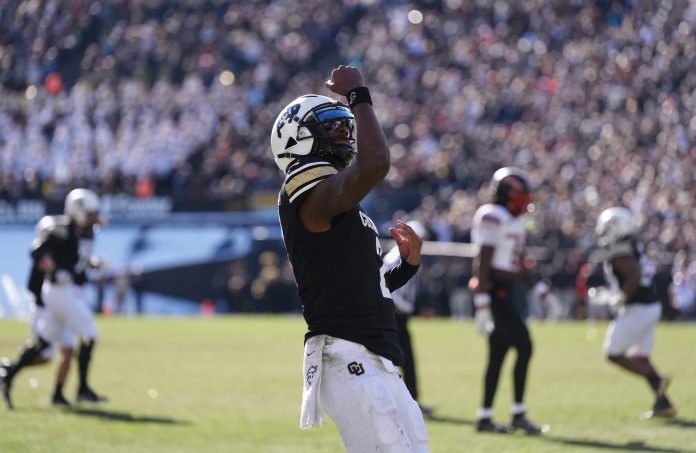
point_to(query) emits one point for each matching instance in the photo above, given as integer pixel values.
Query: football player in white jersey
(498, 282)
(631, 334)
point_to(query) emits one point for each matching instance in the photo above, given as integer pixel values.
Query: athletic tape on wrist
(358, 96)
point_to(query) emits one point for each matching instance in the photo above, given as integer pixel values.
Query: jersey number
(382, 270)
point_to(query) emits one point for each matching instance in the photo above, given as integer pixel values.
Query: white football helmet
(82, 206)
(298, 131)
(614, 224)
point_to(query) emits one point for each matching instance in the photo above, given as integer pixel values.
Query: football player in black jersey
(630, 337)
(64, 256)
(37, 317)
(333, 155)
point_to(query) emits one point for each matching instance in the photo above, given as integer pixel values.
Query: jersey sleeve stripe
(304, 189)
(310, 176)
(304, 167)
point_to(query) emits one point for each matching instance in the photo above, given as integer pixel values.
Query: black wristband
(358, 96)
(397, 277)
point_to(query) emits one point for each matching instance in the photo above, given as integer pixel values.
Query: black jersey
(339, 273)
(36, 278)
(69, 251)
(628, 246)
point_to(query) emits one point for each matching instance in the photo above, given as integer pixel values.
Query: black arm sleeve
(397, 277)
(44, 248)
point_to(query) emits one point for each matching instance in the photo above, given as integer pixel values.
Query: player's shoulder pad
(491, 214)
(61, 228)
(306, 174)
(44, 226)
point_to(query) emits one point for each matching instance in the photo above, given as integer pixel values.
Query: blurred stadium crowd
(595, 100)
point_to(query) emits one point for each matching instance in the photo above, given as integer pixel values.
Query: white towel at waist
(312, 415)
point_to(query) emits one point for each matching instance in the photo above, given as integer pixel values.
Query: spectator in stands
(597, 100)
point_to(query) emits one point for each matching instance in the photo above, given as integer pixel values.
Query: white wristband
(482, 300)
(540, 289)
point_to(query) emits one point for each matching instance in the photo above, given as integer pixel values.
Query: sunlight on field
(233, 385)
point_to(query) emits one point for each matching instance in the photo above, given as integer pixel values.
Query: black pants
(409, 368)
(510, 331)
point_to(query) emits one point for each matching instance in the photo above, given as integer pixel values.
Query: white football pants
(369, 403)
(38, 317)
(66, 313)
(632, 332)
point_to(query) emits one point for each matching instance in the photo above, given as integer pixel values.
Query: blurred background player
(352, 344)
(64, 256)
(499, 277)
(36, 317)
(405, 302)
(630, 337)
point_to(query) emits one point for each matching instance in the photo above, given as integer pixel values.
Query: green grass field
(233, 384)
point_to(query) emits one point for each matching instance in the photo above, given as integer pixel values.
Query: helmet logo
(291, 142)
(288, 117)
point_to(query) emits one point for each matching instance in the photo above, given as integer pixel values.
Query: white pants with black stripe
(369, 403)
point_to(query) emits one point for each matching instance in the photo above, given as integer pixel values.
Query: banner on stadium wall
(22, 211)
(117, 208)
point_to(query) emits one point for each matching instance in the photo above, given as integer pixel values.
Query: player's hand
(99, 264)
(345, 78)
(408, 241)
(483, 317)
(484, 321)
(46, 264)
(617, 299)
(541, 290)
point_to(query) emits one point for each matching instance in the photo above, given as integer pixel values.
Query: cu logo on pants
(356, 368)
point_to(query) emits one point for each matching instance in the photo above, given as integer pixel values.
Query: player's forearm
(482, 269)
(373, 150)
(398, 276)
(631, 285)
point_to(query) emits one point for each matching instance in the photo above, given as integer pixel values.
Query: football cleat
(662, 408)
(87, 395)
(59, 400)
(486, 425)
(523, 423)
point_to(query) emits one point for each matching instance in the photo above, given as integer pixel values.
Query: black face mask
(340, 155)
